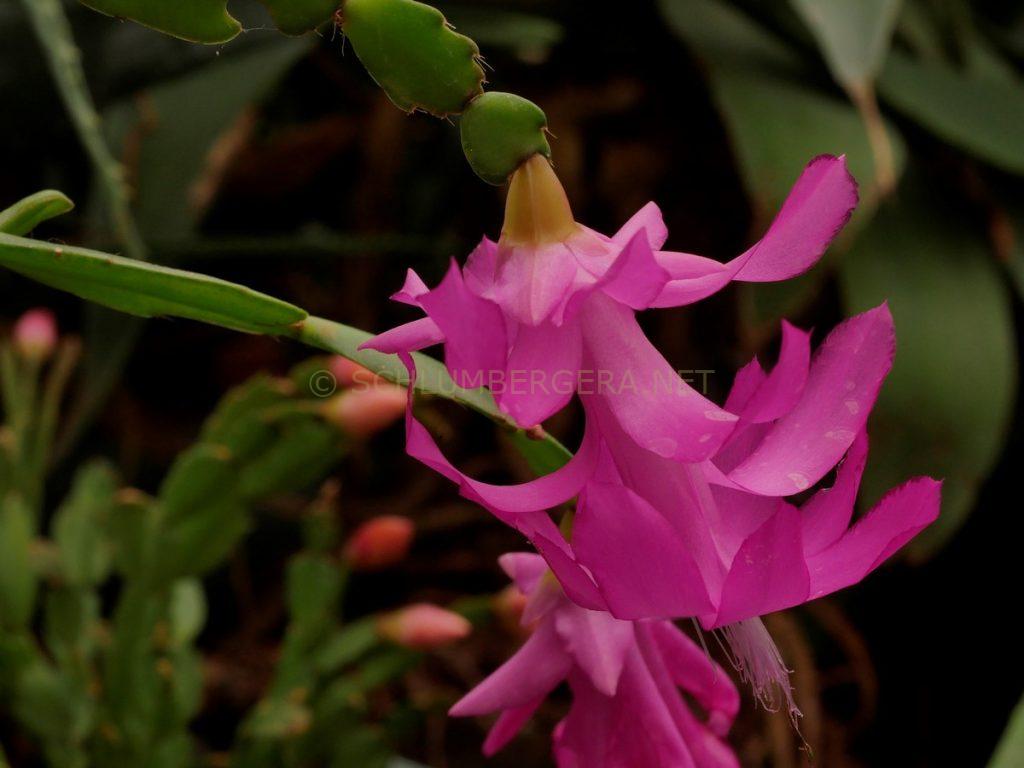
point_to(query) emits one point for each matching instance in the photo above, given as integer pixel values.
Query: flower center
(537, 210)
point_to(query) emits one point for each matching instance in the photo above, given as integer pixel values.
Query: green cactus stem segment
(412, 52)
(499, 132)
(296, 17)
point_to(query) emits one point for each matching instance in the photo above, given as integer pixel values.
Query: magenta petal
(641, 566)
(575, 581)
(748, 380)
(635, 278)
(474, 330)
(410, 337)
(541, 373)
(411, 290)
(532, 283)
(693, 278)
(508, 724)
(524, 568)
(827, 513)
(597, 642)
(781, 391)
(504, 501)
(691, 668)
(530, 674)
(481, 264)
(649, 220)
(845, 377)
(768, 572)
(895, 520)
(582, 739)
(651, 402)
(818, 206)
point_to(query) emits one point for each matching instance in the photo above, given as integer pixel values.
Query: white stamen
(753, 654)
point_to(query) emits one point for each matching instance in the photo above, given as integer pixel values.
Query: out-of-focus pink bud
(422, 626)
(350, 375)
(379, 543)
(35, 334)
(364, 412)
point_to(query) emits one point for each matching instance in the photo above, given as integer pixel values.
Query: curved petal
(827, 513)
(524, 568)
(532, 283)
(807, 442)
(894, 521)
(748, 380)
(411, 290)
(650, 221)
(653, 405)
(817, 208)
(531, 673)
(508, 724)
(541, 373)
(781, 390)
(474, 330)
(635, 278)
(481, 264)
(640, 564)
(597, 642)
(768, 572)
(410, 337)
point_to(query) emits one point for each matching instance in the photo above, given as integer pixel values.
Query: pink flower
(35, 334)
(625, 678)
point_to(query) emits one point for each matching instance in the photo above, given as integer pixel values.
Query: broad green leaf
(201, 21)
(294, 17)
(25, 215)
(853, 35)
(176, 129)
(983, 116)
(946, 407)
(414, 55)
(1010, 750)
(144, 289)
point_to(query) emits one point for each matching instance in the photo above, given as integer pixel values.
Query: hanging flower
(624, 676)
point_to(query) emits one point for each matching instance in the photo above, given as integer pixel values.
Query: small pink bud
(364, 412)
(379, 543)
(348, 374)
(35, 334)
(422, 626)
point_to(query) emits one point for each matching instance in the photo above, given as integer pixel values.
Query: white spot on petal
(852, 406)
(663, 446)
(799, 480)
(704, 438)
(717, 415)
(840, 435)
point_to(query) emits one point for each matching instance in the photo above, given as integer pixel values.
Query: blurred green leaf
(71, 621)
(196, 543)
(146, 289)
(946, 407)
(200, 21)
(1010, 750)
(346, 646)
(27, 214)
(529, 36)
(17, 580)
(132, 528)
(202, 474)
(302, 452)
(984, 116)
(174, 130)
(314, 584)
(47, 704)
(79, 526)
(854, 35)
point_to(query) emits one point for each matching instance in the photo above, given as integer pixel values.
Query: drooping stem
(863, 97)
(53, 31)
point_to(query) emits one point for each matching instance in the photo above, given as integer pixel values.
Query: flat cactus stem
(199, 21)
(500, 131)
(412, 52)
(296, 17)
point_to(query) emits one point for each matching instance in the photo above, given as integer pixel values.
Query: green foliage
(499, 132)
(295, 17)
(854, 36)
(201, 21)
(982, 115)
(17, 581)
(147, 290)
(25, 215)
(1010, 750)
(412, 52)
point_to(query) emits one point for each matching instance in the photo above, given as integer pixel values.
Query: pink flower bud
(508, 606)
(379, 543)
(364, 412)
(35, 334)
(348, 374)
(422, 626)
